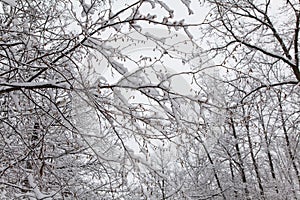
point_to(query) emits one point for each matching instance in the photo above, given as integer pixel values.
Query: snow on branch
(8, 87)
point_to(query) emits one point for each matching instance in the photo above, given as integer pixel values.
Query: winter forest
(150, 99)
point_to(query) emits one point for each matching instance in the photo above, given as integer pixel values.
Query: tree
(50, 90)
(257, 50)
(82, 118)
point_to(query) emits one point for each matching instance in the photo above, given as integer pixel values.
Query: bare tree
(81, 118)
(50, 91)
(256, 48)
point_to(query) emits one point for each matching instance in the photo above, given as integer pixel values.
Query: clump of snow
(36, 190)
(187, 4)
(119, 67)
